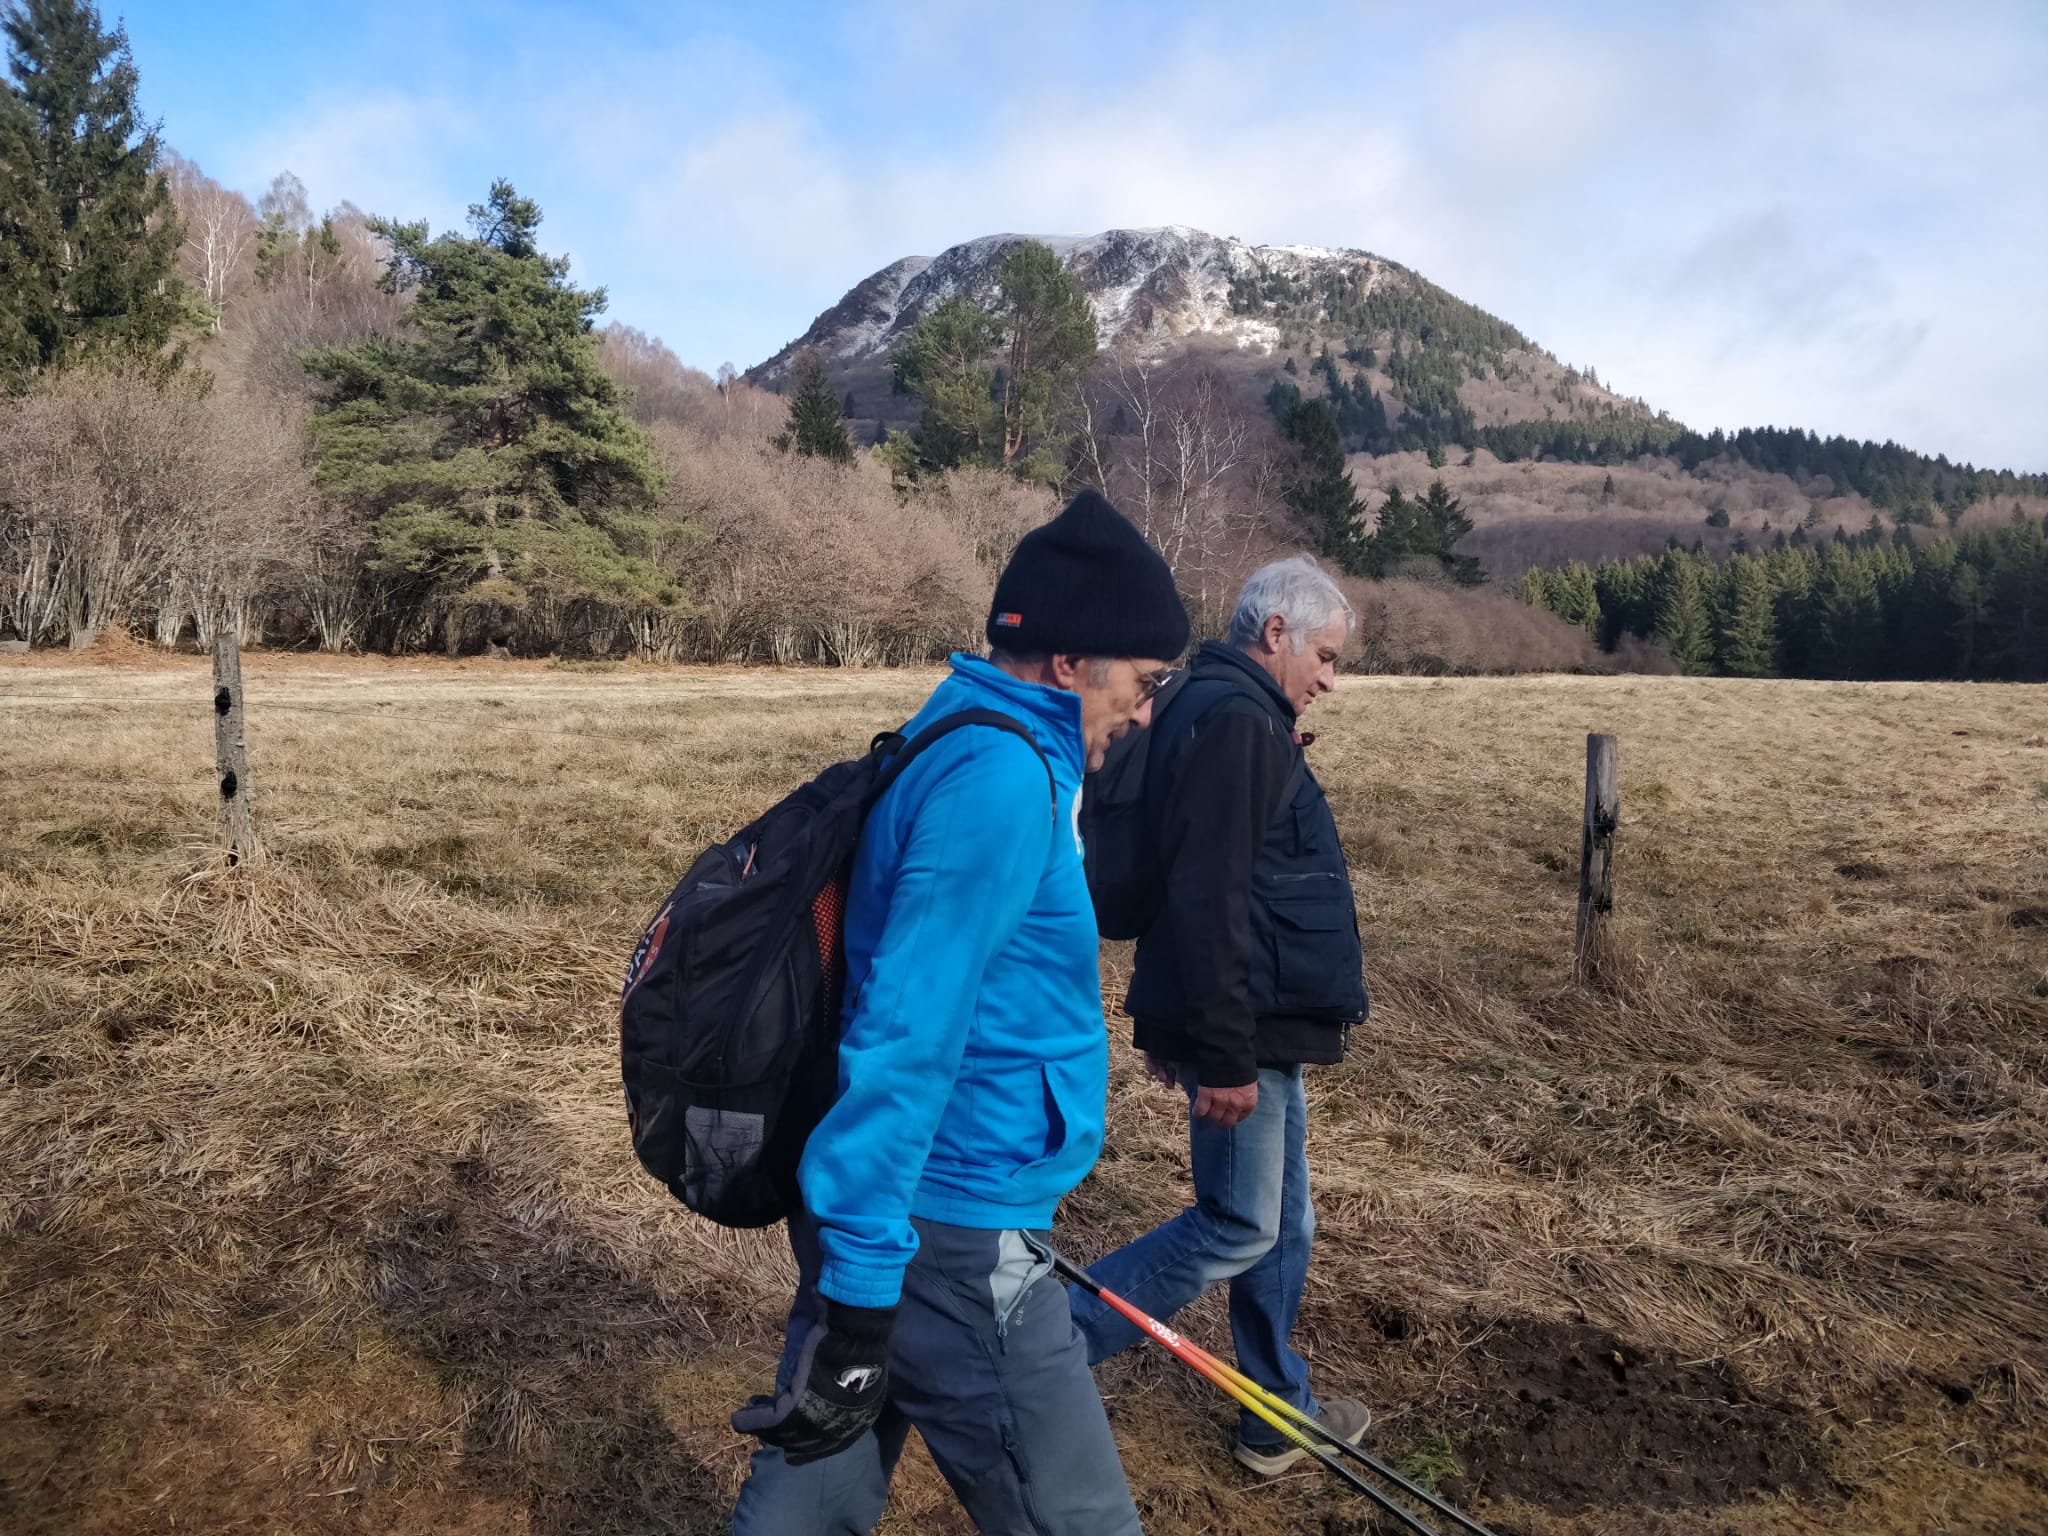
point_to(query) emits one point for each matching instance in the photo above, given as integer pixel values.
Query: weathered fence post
(1596, 855)
(230, 748)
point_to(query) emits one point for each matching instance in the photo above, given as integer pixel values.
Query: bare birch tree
(220, 236)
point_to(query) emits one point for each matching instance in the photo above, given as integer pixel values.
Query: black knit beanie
(1087, 584)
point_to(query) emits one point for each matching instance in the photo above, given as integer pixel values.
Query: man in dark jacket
(1251, 971)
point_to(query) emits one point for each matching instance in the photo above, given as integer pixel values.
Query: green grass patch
(1431, 1461)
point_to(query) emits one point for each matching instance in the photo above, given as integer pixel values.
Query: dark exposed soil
(1571, 1417)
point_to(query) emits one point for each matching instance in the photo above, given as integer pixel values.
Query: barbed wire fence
(234, 786)
(240, 842)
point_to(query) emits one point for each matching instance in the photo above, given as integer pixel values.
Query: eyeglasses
(1150, 683)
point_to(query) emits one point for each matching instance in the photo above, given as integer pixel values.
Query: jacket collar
(1053, 714)
(1215, 658)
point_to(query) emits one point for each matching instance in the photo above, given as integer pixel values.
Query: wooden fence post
(1596, 855)
(230, 747)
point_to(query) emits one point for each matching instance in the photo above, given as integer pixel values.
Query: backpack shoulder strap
(1219, 695)
(945, 726)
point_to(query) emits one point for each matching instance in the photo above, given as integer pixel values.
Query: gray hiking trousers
(987, 1366)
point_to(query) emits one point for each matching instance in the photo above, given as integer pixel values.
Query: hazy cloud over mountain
(1828, 215)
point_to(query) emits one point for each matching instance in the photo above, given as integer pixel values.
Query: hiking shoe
(1346, 1418)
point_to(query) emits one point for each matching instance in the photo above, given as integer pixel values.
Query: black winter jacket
(1254, 960)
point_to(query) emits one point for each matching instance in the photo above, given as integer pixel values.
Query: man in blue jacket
(973, 1071)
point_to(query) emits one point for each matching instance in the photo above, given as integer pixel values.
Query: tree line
(349, 431)
(1968, 607)
(1913, 487)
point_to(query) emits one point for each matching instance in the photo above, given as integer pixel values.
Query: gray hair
(1098, 666)
(1305, 595)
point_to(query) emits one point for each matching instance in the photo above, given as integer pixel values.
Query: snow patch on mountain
(1148, 287)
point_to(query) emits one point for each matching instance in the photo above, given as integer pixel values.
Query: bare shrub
(329, 298)
(1430, 627)
(987, 510)
(126, 502)
(663, 387)
(792, 559)
(1633, 653)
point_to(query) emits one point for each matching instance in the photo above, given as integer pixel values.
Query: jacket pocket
(1071, 1127)
(1316, 958)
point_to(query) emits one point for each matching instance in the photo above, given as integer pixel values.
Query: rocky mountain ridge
(1261, 311)
(1146, 286)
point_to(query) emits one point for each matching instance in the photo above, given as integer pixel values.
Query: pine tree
(943, 362)
(1682, 622)
(1848, 614)
(1533, 587)
(817, 427)
(1626, 604)
(88, 235)
(1967, 597)
(1745, 621)
(1575, 598)
(1394, 537)
(486, 441)
(1440, 524)
(1017, 416)
(1319, 489)
(1049, 342)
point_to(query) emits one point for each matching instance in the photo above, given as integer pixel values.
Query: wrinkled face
(1116, 696)
(1308, 673)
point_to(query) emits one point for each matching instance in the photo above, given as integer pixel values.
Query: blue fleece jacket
(974, 1061)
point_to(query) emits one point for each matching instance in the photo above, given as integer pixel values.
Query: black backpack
(729, 1020)
(1117, 820)
(1116, 828)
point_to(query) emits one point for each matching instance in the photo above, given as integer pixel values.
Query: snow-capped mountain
(1146, 286)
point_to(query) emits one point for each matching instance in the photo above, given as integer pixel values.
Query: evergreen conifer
(490, 448)
(1440, 524)
(88, 234)
(1682, 620)
(1319, 489)
(1745, 622)
(817, 426)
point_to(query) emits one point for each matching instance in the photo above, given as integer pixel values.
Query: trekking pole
(1296, 1426)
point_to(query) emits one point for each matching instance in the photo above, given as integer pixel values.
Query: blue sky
(1829, 215)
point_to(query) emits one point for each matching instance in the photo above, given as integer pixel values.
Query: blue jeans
(986, 1365)
(1252, 1224)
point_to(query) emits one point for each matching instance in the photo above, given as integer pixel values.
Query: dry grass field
(317, 1211)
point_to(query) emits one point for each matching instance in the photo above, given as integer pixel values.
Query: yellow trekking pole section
(1296, 1427)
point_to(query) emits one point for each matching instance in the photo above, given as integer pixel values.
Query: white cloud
(386, 153)
(1811, 213)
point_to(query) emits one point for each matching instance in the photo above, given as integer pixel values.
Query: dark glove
(836, 1390)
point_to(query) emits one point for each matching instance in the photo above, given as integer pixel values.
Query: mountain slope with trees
(332, 429)
(1405, 369)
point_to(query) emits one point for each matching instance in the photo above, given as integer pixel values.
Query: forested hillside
(1868, 607)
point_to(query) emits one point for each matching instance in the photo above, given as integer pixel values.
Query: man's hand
(1162, 1071)
(836, 1390)
(1226, 1106)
